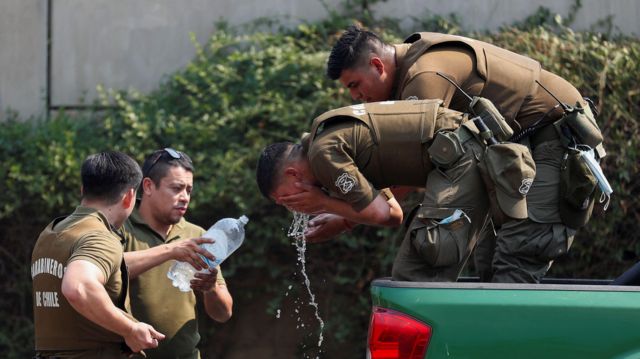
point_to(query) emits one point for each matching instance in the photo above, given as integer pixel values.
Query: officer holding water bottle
(156, 234)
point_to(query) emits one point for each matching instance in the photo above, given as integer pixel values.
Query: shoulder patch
(345, 182)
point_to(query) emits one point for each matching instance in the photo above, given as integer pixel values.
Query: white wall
(124, 44)
(491, 14)
(23, 61)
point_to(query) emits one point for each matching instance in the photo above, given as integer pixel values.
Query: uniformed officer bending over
(156, 234)
(354, 151)
(426, 66)
(80, 283)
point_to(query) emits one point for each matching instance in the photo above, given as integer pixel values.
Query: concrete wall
(122, 44)
(491, 14)
(125, 44)
(23, 60)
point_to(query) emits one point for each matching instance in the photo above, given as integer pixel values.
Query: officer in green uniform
(431, 65)
(353, 152)
(80, 284)
(155, 235)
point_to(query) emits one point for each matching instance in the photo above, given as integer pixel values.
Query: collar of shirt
(137, 220)
(401, 52)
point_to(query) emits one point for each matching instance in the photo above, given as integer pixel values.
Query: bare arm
(186, 251)
(380, 212)
(83, 286)
(218, 302)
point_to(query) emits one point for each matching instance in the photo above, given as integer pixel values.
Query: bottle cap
(243, 219)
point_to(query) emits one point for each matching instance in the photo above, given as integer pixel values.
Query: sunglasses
(173, 153)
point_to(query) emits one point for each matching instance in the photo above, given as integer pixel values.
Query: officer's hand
(142, 336)
(324, 227)
(310, 200)
(206, 281)
(189, 251)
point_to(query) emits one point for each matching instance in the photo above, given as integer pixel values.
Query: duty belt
(544, 134)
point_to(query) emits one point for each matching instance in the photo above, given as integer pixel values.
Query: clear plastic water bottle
(228, 234)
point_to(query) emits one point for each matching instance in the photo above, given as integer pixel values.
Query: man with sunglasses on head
(156, 234)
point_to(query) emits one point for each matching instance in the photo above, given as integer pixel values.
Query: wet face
(368, 83)
(170, 199)
(286, 185)
(283, 191)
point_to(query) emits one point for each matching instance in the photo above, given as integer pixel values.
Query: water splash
(296, 231)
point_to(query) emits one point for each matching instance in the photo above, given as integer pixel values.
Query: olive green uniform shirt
(153, 298)
(59, 329)
(356, 150)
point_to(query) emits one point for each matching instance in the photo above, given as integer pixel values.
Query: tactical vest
(509, 77)
(399, 130)
(58, 325)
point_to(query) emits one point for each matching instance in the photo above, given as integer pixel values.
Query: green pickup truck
(555, 319)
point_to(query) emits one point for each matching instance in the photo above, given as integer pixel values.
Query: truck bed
(556, 319)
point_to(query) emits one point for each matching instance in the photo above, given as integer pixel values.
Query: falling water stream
(296, 231)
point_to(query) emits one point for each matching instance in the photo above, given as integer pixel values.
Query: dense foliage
(243, 91)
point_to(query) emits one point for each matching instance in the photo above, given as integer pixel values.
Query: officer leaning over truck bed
(542, 111)
(353, 152)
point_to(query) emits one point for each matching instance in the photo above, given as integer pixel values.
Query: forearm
(90, 299)
(141, 261)
(380, 212)
(218, 303)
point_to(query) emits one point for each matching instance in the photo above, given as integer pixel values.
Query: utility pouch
(446, 149)
(577, 189)
(484, 108)
(584, 127)
(440, 235)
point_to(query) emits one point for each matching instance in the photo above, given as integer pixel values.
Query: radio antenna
(454, 84)
(562, 104)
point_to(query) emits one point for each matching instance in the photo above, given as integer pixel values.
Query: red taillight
(393, 335)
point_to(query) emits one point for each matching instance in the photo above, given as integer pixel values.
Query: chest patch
(345, 183)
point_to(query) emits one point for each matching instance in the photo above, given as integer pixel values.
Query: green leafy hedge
(242, 92)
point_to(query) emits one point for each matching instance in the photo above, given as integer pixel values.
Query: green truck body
(485, 320)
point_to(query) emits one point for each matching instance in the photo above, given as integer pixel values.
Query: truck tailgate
(484, 320)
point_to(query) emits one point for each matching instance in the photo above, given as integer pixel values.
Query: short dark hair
(270, 165)
(352, 45)
(106, 176)
(157, 164)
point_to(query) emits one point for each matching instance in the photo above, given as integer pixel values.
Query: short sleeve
(101, 249)
(219, 277)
